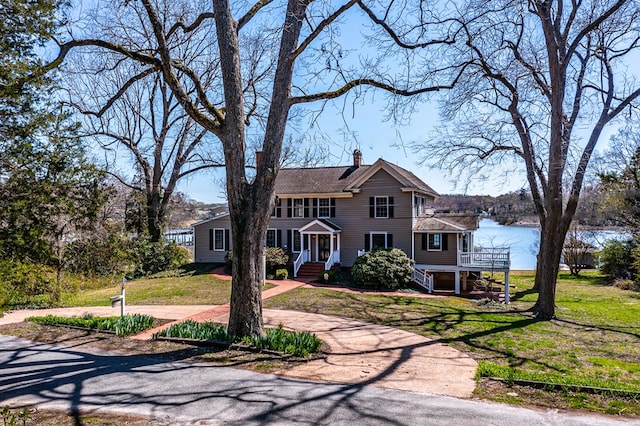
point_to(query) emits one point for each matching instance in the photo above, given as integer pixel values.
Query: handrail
(423, 278)
(297, 264)
(333, 259)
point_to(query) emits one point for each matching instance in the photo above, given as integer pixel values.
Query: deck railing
(486, 257)
(423, 278)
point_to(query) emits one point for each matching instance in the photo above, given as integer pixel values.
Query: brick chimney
(258, 157)
(357, 158)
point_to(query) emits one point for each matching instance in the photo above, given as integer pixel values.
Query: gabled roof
(344, 179)
(447, 222)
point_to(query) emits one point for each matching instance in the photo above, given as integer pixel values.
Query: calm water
(524, 241)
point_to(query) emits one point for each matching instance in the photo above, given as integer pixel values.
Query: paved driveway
(186, 393)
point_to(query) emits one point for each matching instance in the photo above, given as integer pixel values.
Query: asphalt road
(177, 392)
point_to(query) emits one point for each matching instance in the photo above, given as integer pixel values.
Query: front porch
(320, 244)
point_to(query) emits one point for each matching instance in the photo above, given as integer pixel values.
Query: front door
(324, 247)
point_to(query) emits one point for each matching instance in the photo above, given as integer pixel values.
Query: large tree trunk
(249, 231)
(553, 232)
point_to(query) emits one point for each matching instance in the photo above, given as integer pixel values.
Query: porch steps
(310, 270)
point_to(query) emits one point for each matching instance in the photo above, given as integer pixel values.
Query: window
(324, 207)
(218, 239)
(435, 242)
(271, 238)
(376, 240)
(381, 207)
(277, 208)
(298, 207)
(297, 241)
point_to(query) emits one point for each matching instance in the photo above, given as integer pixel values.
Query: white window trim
(293, 240)
(372, 233)
(375, 207)
(275, 237)
(328, 207)
(293, 207)
(215, 230)
(429, 243)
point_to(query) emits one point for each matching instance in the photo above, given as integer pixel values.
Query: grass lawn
(595, 340)
(202, 289)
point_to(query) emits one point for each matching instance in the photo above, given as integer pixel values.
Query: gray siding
(352, 215)
(202, 252)
(444, 257)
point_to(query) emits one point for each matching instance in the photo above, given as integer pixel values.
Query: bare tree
(542, 79)
(145, 121)
(267, 58)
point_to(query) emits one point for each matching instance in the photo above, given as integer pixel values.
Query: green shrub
(616, 259)
(298, 343)
(383, 268)
(292, 342)
(122, 326)
(275, 258)
(626, 284)
(282, 274)
(331, 276)
(99, 255)
(190, 329)
(27, 284)
(151, 258)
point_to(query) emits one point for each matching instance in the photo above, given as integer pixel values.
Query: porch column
(457, 281)
(506, 287)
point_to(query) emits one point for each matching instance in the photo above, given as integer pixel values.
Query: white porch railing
(423, 278)
(488, 258)
(332, 260)
(300, 260)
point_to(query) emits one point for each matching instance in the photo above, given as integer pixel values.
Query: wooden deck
(486, 259)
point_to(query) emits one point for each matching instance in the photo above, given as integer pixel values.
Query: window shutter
(390, 206)
(210, 239)
(372, 209)
(445, 242)
(290, 239)
(367, 242)
(289, 207)
(278, 237)
(389, 240)
(315, 207)
(425, 241)
(306, 207)
(333, 208)
(226, 239)
(278, 207)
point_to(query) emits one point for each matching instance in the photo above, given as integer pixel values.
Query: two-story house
(327, 216)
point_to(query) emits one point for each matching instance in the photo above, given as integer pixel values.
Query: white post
(457, 281)
(506, 288)
(122, 309)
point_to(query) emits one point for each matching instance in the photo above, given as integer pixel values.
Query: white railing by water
(300, 260)
(423, 278)
(489, 258)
